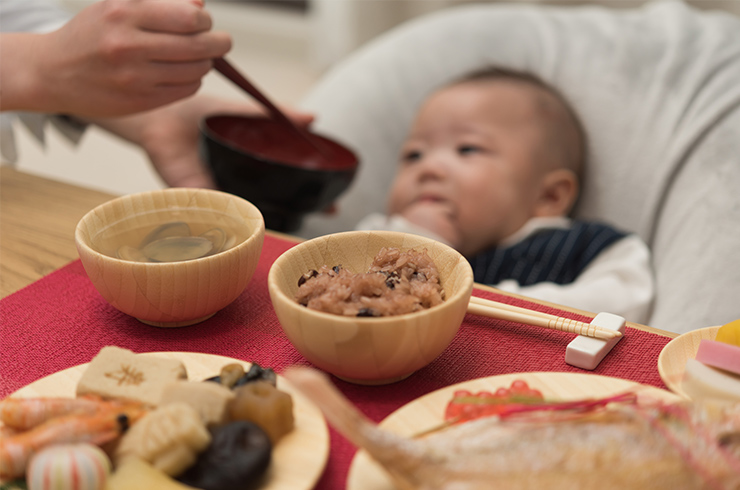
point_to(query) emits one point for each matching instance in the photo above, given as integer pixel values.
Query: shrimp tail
(7, 432)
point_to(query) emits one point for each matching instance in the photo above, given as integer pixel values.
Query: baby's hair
(566, 133)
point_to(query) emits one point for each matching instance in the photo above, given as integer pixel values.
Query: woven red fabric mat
(61, 321)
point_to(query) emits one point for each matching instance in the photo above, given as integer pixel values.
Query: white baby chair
(658, 89)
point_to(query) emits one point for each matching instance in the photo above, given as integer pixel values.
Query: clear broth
(131, 234)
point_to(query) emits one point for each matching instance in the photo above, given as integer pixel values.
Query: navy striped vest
(556, 255)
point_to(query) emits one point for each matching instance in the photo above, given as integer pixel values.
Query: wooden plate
(673, 357)
(428, 411)
(297, 460)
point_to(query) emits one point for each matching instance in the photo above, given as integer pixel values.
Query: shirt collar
(533, 225)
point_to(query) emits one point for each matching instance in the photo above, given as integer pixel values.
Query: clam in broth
(192, 236)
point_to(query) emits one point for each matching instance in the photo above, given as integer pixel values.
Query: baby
(491, 166)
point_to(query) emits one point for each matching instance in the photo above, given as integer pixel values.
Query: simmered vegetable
(233, 375)
(262, 403)
(237, 459)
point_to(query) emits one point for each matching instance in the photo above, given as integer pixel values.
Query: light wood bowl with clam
(171, 257)
(366, 350)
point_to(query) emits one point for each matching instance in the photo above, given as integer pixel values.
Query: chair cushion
(657, 88)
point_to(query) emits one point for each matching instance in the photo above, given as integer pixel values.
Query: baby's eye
(411, 156)
(468, 149)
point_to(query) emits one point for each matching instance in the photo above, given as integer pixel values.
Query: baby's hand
(437, 217)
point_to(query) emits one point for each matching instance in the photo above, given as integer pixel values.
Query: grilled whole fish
(627, 447)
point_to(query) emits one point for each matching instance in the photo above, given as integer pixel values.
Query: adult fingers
(163, 73)
(173, 16)
(153, 98)
(302, 119)
(179, 48)
(202, 180)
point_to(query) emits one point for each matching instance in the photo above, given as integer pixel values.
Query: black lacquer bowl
(275, 168)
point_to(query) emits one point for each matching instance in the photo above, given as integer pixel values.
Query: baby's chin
(427, 211)
(435, 205)
(434, 217)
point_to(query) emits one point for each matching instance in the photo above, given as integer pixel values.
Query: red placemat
(61, 321)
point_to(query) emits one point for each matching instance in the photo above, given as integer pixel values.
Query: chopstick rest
(587, 352)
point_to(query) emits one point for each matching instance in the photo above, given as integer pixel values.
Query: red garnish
(468, 406)
(520, 400)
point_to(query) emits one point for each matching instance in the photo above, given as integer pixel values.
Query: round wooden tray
(297, 460)
(428, 410)
(673, 357)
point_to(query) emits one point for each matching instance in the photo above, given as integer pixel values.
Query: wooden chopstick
(502, 311)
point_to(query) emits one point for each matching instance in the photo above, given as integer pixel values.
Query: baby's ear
(558, 193)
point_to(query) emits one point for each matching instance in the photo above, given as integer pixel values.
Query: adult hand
(115, 57)
(170, 136)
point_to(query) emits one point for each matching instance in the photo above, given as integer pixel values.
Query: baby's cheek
(398, 200)
(393, 207)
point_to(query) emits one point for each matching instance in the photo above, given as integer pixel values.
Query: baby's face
(469, 168)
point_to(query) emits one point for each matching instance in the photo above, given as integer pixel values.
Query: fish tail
(384, 446)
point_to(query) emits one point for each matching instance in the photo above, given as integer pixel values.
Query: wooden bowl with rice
(366, 349)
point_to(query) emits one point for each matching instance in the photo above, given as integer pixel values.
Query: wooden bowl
(171, 294)
(368, 350)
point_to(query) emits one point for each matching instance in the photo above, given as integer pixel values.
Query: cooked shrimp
(631, 446)
(7, 432)
(99, 428)
(25, 413)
